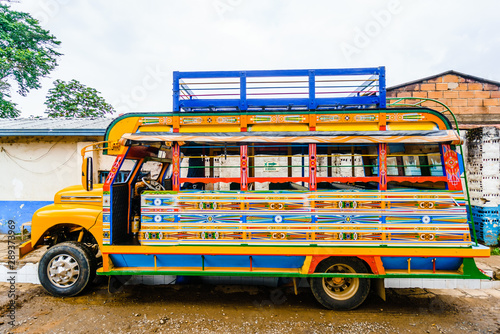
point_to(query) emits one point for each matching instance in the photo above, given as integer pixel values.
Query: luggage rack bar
(279, 90)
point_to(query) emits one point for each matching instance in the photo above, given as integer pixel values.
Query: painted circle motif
(157, 201)
(348, 236)
(157, 219)
(210, 235)
(426, 205)
(426, 219)
(276, 206)
(278, 235)
(278, 219)
(209, 219)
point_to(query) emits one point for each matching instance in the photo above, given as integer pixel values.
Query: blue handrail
(289, 90)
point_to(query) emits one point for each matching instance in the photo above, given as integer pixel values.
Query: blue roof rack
(279, 90)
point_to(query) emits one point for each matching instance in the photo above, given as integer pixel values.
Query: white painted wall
(35, 168)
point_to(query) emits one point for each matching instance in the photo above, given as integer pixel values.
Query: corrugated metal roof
(53, 126)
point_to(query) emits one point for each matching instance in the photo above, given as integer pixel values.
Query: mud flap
(25, 248)
(379, 287)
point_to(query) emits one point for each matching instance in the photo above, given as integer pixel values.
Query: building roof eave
(467, 76)
(52, 132)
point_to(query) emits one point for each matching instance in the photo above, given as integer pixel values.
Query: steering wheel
(152, 184)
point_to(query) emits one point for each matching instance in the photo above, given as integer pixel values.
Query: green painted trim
(277, 274)
(470, 268)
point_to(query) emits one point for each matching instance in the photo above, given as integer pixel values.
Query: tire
(66, 269)
(340, 293)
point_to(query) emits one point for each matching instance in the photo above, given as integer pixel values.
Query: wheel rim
(63, 271)
(340, 288)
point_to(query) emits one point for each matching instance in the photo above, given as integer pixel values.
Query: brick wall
(473, 102)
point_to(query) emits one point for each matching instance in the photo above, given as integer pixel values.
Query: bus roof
(308, 137)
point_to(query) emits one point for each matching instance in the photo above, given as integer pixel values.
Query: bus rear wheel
(340, 293)
(67, 268)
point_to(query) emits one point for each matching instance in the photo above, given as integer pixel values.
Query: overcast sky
(127, 50)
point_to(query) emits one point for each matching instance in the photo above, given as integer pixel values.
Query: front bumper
(25, 248)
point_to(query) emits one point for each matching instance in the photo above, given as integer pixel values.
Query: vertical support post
(312, 167)
(251, 161)
(381, 88)
(175, 89)
(289, 161)
(382, 186)
(449, 159)
(353, 169)
(243, 91)
(382, 121)
(312, 91)
(244, 167)
(382, 166)
(329, 162)
(212, 162)
(302, 162)
(176, 168)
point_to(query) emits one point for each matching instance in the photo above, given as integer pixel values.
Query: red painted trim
(210, 179)
(312, 167)
(244, 167)
(382, 166)
(452, 168)
(176, 167)
(417, 178)
(278, 179)
(113, 172)
(315, 261)
(375, 264)
(348, 179)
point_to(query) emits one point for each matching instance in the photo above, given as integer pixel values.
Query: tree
(73, 99)
(27, 53)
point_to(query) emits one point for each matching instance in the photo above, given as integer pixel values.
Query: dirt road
(238, 309)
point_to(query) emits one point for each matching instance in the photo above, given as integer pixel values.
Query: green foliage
(495, 251)
(73, 99)
(7, 108)
(27, 53)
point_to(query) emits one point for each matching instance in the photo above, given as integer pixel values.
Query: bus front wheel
(67, 268)
(340, 293)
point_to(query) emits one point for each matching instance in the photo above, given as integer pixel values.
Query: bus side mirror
(87, 174)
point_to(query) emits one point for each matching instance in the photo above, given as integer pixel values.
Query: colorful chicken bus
(293, 173)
